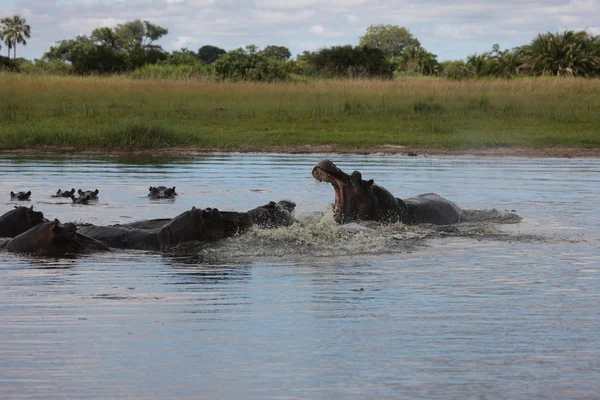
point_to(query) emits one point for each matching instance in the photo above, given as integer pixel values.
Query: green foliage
(417, 60)
(14, 30)
(198, 70)
(568, 53)
(391, 39)
(280, 53)
(209, 54)
(359, 61)
(126, 47)
(456, 70)
(249, 65)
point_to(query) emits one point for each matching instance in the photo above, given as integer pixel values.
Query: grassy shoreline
(353, 116)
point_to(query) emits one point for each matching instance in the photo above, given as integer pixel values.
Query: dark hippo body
(51, 238)
(123, 238)
(160, 234)
(67, 193)
(356, 198)
(273, 215)
(21, 196)
(19, 220)
(161, 192)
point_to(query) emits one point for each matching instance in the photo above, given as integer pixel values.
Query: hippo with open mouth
(21, 196)
(51, 238)
(161, 192)
(357, 199)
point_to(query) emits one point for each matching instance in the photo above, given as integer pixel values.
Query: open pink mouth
(337, 183)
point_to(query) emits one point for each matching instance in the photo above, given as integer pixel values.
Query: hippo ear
(173, 188)
(29, 193)
(80, 191)
(58, 191)
(357, 176)
(193, 208)
(12, 194)
(370, 182)
(272, 204)
(96, 191)
(73, 190)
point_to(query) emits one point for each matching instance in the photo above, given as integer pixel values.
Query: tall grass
(125, 113)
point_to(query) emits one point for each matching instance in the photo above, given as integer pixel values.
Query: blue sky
(450, 29)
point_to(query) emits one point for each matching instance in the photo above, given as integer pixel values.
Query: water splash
(318, 235)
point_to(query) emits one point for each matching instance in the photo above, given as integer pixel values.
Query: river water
(315, 310)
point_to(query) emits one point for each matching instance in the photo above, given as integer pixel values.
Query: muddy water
(312, 311)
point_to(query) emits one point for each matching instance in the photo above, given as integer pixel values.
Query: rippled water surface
(315, 310)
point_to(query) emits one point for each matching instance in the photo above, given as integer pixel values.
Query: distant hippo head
(20, 195)
(53, 238)
(65, 193)
(82, 199)
(161, 192)
(19, 220)
(273, 215)
(93, 194)
(356, 198)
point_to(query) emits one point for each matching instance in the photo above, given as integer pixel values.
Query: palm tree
(15, 31)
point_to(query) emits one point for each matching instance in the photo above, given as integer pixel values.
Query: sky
(451, 29)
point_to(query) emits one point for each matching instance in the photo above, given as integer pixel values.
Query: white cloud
(352, 18)
(182, 41)
(320, 31)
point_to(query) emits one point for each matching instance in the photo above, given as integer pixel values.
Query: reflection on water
(314, 310)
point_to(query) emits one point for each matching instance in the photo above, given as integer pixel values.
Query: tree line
(384, 51)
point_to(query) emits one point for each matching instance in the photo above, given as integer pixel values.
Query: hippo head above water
(83, 199)
(64, 193)
(19, 220)
(161, 192)
(53, 238)
(93, 194)
(356, 198)
(20, 195)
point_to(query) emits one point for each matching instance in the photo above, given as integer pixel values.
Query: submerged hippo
(192, 225)
(66, 193)
(93, 194)
(19, 220)
(273, 215)
(20, 195)
(161, 192)
(356, 198)
(51, 238)
(83, 199)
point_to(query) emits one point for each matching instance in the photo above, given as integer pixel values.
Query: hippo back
(390, 208)
(431, 208)
(123, 238)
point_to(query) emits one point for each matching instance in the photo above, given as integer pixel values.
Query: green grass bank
(118, 113)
